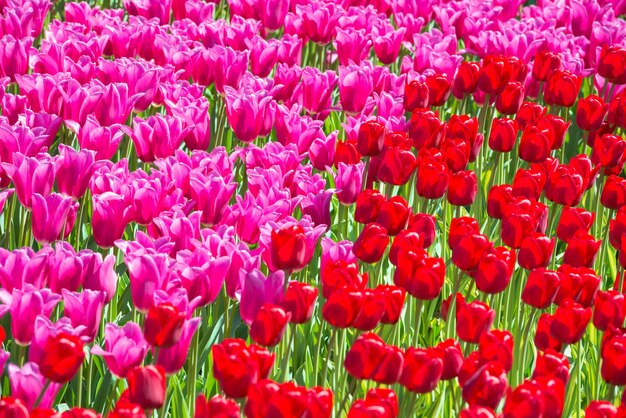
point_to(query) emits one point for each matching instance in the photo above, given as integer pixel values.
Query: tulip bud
(590, 112)
(503, 134)
(368, 206)
(371, 138)
(288, 247)
(473, 320)
(269, 325)
(163, 325)
(422, 370)
(146, 386)
(510, 98)
(545, 62)
(371, 243)
(64, 356)
(463, 188)
(299, 301)
(415, 95)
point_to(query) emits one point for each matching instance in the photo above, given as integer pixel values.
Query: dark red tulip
(371, 243)
(614, 193)
(267, 398)
(422, 370)
(590, 112)
(386, 398)
(494, 74)
(370, 358)
(393, 301)
(494, 270)
(466, 128)
(535, 251)
(486, 387)
(371, 138)
(545, 62)
(288, 248)
(503, 134)
(146, 386)
(463, 188)
(577, 283)
(541, 287)
(371, 311)
(562, 88)
(368, 206)
(617, 112)
(601, 409)
(421, 276)
(473, 320)
(423, 224)
(544, 339)
(613, 369)
(497, 200)
(510, 98)
(342, 308)
(497, 345)
(341, 274)
(610, 152)
(524, 401)
(565, 186)
(470, 250)
(439, 88)
(433, 178)
(404, 242)
(425, 129)
(609, 309)
(570, 322)
(557, 128)
(452, 357)
(456, 153)
(396, 166)
(573, 220)
(163, 325)
(299, 301)
(466, 79)
(581, 250)
(13, 408)
(529, 114)
(459, 228)
(520, 220)
(269, 325)
(612, 64)
(217, 406)
(393, 215)
(535, 144)
(236, 366)
(64, 356)
(445, 304)
(477, 412)
(80, 413)
(552, 364)
(416, 95)
(528, 183)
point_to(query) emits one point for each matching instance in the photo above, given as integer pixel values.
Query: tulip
(609, 310)
(570, 322)
(299, 301)
(355, 85)
(396, 166)
(573, 220)
(420, 276)
(84, 309)
(462, 189)
(452, 356)
(535, 251)
(415, 95)
(612, 64)
(552, 364)
(486, 387)
(146, 386)
(459, 228)
(529, 114)
(422, 370)
(371, 243)
(469, 251)
(565, 186)
(74, 170)
(109, 218)
(581, 250)
(493, 75)
(124, 348)
(393, 215)
(590, 112)
(216, 406)
(371, 138)
(317, 88)
(540, 289)
(173, 358)
(368, 205)
(503, 134)
(510, 98)
(53, 217)
(258, 290)
(497, 345)
(13, 407)
(433, 179)
(494, 270)
(27, 383)
(562, 88)
(64, 356)
(439, 89)
(387, 46)
(349, 180)
(342, 308)
(14, 55)
(535, 144)
(406, 241)
(614, 193)
(30, 176)
(497, 200)
(545, 62)
(163, 325)
(473, 320)
(370, 358)
(269, 325)
(544, 340)
(600, 409)
(466, 79)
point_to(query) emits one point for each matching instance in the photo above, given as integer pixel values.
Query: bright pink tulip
(25, 305)
(53, 217)
(173, 358)
(14, 55)
(157, 136)
(245, 111)
(124, 348)
(27, 384)
(74, 170)
(30, 175)
(84, 309)
(258, 290)
(211, 194)
(109, 219)
(349, 180)
(355, 86)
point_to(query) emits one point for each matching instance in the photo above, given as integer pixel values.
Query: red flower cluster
(285, 400)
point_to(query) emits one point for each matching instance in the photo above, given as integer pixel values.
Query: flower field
(312, 208)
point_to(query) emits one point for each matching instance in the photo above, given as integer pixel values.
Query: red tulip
(80, 413)
(510, 98)
(415, 95)
(466, 79)
(494, 270)
(422, 370)
(370, 358)
(433, 178)
(473, 320)
(590, 112)
(528, 183)
(288, 248)
(421, 276)
(557, 128)
(404, 242)
(146, 386)
(466, 128)
(368, 206)
(371, 138)
(503, 134)
(64, 356)
(577, 283)
(613, 369)
(541, 287)
(614, 193)
(581, 250)
(393, 215)
(544, 339)
(459, 228)
(423, 224)
(439, 88)
(497, 345)
(470, 250)
(545, 62)
(463, 188)
(386, 398)
(299, 301)
(565, 186)
(477, 412)
(573, 220)
(217, 406)
(494, 75)
(393, 301)
(612, 64)
(452, 357)
(486, 387)
(609, 309)
(347, 153)
(456, 153)
(601, 409)
(371, 243)
(535, 144)
(267, 398)
(529, 114)
(570, 322)
(339, 274)
(342, 308)
(13, 408)
(371, 311)
(163, 325)
(497, 200)
(269, 325)
(425, 129)
(552, 364)
(562, 88)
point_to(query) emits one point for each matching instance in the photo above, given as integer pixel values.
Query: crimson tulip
(163, 325)
(433, 178)
(552, 364)
(541, 287)
(371, 243)
(609, 309)
(466, 79)
(510, 98)
(393, 215)
(573, 220)
(473, 320)
(544, 339)
(342, 308)
(535, 251)
(371, 138)
(288, 247)
(439, 88)
(416, 94)
(545, 62)
(64, 356)
(299, 301)
(570, 322)
(612, 64)
(217, 406)
(452, 357)
(494, 270)
(503, 134)
(497, 345)
(463, 188)
(422, 370)
(562, 87)
(269, 325)
(590, 112)
(146, 386)
(486, 387)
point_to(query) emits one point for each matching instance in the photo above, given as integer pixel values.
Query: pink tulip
(322, 151)
(349, 180)
(149, 9)
(355, 86)
(23, 266)
(273, 13)
(103, 140)
(14, 56)
(319, 20)
(53, 217)
(173, 358)
(317, 207)
(30, 175)
(352, 45)
(27, 384)
(317, 89)
(180, 229)
(387, 44)
(157, 136)
(245, 111)
(99, 274)
(84, 309)
(25, 305)
(124, 348)
(263, 56)
(148, 273)
(229, 68)
(202, 276)
(109, 218)
(211, 194)
(196, 116)
(258, 290)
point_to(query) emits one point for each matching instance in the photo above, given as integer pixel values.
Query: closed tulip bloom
(425, 129)
(562, 88)
(494, 75)
(503, 134)
(470, 250)
(545, 62)
(349, 181)
(109, 219)
(577, 283)
(590, 112)
(380, 403)
(529, 114)
(466, 78)
(541, 288)
(544, 339)
(433, 179)
(371, 311)
(456, 153)
(422, 370)
(463, 188)
(535, 251)
(342, 307)
(565, 186)
(299, 301)
(487, 386)
(53, 217)
(370, 358)
(393, 301)
(269, 325)
(581, 250)
(423, 224)
(459, 228)
(371, 138)
(497, 200)
(523, 401)
(80, 413)
(494, 270)
(473, 320)
(355, 86)
(573, 220)
(612, 64)
(452, 356)
(84, 309)
(289, 247)
(387, 46)
(368, 206)
(371, 243)
(528, 183)
(439, 88)
(477, 412)
(510, 98)
(614, 193)
(421, 276)
(396, 166)
(64, 356)
(393, 215)
(146, 386)
(163, 325)
(405, 242)
(13, 408)
(601, 409)
(613, 369)
(570, 322)
(415, 95)
(14, 55)
(553, 364)
(217, 406)
(124, 348)
(497, 345)
(535, 144)
(609, 309)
